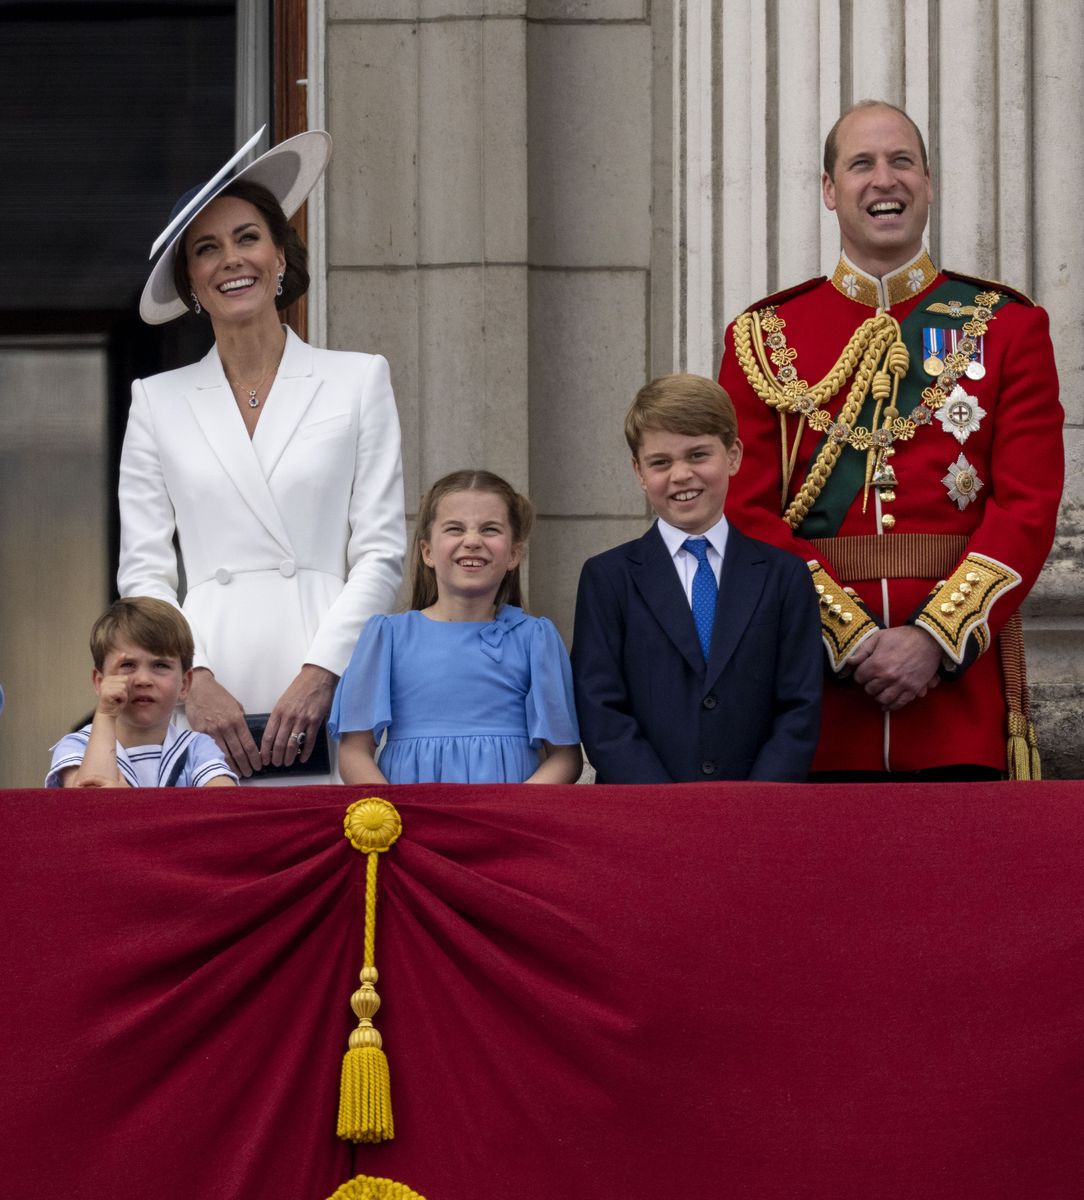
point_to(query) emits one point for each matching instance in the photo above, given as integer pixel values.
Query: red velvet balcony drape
(692, 992)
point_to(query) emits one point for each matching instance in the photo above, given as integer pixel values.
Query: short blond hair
(147, 623)
(692, 405)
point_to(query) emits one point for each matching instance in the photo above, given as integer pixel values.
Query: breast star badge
(962, 482)
(961, 414)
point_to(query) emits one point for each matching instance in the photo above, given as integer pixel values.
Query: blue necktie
(705, 590)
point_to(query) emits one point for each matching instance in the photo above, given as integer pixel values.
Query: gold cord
(877, 359)
(372, 826)
(829, 453)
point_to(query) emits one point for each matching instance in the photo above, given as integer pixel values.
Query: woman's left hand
(300, 709)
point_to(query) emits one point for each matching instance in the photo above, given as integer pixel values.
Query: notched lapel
(215, 412)
(743, 576)
(654, 577)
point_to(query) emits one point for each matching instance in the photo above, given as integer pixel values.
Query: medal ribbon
(933, 350)
(976, 367)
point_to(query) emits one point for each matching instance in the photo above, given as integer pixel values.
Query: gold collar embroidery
(902, 284)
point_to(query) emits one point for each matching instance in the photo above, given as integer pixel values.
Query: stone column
(427, 221)
(590, 164)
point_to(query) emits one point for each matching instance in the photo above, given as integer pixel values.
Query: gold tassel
(1023, 748)
(372, 826)
(370, 1187)
(1018, 751)
(365, 1086)
(1033, 747)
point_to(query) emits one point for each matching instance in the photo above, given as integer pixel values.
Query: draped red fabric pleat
(695, 992)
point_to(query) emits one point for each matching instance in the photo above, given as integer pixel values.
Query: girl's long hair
(423, 579)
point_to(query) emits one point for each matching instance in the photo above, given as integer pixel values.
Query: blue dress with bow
(461, 701)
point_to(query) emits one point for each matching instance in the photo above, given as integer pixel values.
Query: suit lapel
(286, 404)
(740, 587)
(653, 575)
(215, 411)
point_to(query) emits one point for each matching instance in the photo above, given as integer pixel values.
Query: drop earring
(195, 303)
(278, 290)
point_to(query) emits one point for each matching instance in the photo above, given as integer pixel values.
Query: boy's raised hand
(113, 695)
(99, 765)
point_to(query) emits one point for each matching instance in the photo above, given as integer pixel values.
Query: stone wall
(535, 205)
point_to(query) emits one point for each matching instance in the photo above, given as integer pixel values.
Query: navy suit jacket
(652, 711)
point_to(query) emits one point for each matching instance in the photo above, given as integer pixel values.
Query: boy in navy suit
(696, 654)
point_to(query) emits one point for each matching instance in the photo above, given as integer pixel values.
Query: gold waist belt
(891, 556)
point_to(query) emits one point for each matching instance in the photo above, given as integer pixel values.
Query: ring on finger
(298, 738)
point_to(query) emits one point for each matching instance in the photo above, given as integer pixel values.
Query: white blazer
(289, 540)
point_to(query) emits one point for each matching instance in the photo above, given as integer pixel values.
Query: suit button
(287, 568)
(223, 576)
(710, 702)
(708, 767)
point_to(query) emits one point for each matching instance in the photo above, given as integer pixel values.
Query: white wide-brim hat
(289, 171)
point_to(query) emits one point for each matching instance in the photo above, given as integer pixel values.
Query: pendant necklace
(252, 394)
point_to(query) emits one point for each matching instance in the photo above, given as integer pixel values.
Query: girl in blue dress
(468, 687)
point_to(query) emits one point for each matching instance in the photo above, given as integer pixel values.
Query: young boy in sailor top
(142, 650)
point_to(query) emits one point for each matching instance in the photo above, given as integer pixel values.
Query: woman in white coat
(277, 465)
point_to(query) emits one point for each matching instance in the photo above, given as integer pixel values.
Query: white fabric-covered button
(287, 568)
(223, 576)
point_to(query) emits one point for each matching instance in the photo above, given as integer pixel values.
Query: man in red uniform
(902, 433)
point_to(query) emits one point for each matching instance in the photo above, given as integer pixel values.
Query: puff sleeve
(363, 697)
(551, 708)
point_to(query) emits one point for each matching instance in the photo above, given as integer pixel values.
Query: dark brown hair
(296, 276)
(423, 579)
(691, 405)
(831, 142)
(150, 624)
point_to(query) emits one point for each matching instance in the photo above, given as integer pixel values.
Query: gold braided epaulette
(844, 621)
(959, 607)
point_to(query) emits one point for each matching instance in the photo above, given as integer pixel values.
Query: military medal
(975, 368)
(960, 415)
(933, 351)
(884, 476)
(962, 482)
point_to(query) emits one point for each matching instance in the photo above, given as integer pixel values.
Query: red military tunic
(978, 465)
